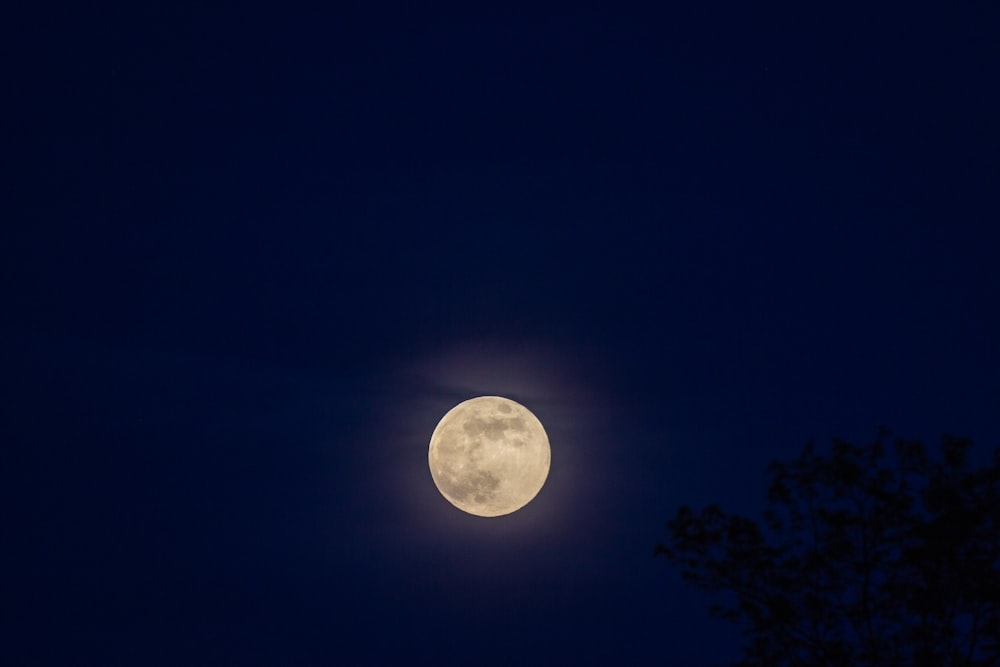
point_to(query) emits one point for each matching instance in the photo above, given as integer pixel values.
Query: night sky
(252, 255)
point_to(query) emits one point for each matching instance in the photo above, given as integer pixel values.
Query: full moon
(489, 456)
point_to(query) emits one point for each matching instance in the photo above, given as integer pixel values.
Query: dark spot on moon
(503, 407)
(492, 429)
(480, 485)
(473, 427)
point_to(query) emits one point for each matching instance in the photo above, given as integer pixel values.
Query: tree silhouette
(858, 561)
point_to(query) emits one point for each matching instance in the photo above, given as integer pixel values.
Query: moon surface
(489, 456)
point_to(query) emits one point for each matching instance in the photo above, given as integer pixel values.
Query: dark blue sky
(254, 254)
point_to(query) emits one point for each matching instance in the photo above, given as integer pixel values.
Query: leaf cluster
(860, 559)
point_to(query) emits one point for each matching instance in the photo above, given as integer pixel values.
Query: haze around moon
(489, 456)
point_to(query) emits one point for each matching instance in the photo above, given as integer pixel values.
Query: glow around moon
(489, 456)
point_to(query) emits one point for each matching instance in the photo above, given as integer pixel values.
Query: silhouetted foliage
(857, 561)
